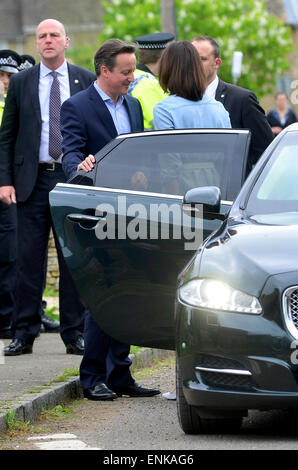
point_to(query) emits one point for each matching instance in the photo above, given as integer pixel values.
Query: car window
(171, 164)
(276, 190)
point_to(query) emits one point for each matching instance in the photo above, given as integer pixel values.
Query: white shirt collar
(211, 88)
(44, 70)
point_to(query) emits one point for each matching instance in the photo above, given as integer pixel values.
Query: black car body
(235, 326)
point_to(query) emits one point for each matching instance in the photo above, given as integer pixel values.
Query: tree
(243, 25)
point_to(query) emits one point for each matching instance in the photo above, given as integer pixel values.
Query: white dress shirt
(45, 83)
(211, 88)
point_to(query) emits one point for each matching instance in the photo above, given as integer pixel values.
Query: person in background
(9, 63)
(146, 87)
(181, 73)
(48, 324)
(27, 62)
(282, 115)
(243, 107)
(30, 166)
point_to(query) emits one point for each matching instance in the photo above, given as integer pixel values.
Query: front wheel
(190, 420)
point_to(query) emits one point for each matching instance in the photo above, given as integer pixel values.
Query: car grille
(217, 371)
(290, 309)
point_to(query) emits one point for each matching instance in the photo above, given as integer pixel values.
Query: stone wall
(53, 268)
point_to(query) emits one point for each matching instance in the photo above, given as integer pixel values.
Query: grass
(66, 374)
(16, 426)
(58, 412)
(50, 292)
(50, 312)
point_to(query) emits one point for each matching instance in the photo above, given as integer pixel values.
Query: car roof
(184, 131)
(292, 127)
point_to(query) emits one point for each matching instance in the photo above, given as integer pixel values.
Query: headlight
(217, 295)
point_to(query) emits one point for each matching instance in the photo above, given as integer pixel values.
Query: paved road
(152, 424)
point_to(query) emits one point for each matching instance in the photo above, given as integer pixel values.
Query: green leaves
(236, 25)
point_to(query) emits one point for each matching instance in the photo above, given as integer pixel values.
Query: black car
(233, 318)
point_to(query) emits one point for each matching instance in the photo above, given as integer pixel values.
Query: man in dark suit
(30, 166)
(242, 105)
(89, 120)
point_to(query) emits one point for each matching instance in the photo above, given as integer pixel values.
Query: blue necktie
(55, 138)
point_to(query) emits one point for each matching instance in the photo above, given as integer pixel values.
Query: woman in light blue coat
(181, 73)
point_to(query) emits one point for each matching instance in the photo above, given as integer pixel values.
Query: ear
(104, 71)
(66, 45)
(218, 62)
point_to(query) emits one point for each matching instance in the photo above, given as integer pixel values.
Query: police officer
(146, 87)
(9, 63)
(27, 61)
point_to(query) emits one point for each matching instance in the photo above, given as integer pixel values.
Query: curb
(27, 409)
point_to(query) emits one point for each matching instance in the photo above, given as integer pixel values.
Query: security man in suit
(146, 87)
(242, 105)
(9, 63)
(90, 120)
(30, 166)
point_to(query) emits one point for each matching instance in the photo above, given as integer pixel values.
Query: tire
(190, 420)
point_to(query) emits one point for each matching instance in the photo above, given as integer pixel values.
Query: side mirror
(208, 196)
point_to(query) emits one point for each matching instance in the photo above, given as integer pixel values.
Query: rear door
(127, 237)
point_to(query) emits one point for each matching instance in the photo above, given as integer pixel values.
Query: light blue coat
(175, 112)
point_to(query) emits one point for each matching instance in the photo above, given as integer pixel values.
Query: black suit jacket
(87, 126)
(20, 131)
(246, 113)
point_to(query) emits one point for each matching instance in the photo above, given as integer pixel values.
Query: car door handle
(86, 221)
(85, 218)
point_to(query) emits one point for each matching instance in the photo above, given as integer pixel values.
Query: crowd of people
(55, 117)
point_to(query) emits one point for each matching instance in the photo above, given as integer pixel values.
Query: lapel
(33, 79)
(74, 80)
(220, 94)
(131, 114)
(102, 112)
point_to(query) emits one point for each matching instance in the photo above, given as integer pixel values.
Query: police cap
(9, 61)
(27, 61)
(154, 41)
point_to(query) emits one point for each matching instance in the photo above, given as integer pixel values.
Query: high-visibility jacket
(147, 90)
(2, 103)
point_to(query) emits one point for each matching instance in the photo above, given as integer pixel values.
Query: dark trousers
(8, 230)
(105, 359)
(34, 223)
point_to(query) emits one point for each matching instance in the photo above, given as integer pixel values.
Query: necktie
(55, 138)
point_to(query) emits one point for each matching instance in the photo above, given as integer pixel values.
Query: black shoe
(17, 347)
(99, 392)
(49, 325)
(5, 332)
(136, 390)
(76, 347)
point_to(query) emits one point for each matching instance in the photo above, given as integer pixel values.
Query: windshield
(274, 198)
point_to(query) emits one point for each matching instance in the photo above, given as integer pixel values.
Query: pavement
(30, 383)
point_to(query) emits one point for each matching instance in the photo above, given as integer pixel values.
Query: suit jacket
(87, 126)
(20, 131)
(246, 113)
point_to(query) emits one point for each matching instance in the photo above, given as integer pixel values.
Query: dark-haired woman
(181, 73)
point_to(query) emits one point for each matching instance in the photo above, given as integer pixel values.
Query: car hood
(245, 255)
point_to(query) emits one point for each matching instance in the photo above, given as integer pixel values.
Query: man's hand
(8, 194)
(139, 181)
(276, 129)
(87, 164)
